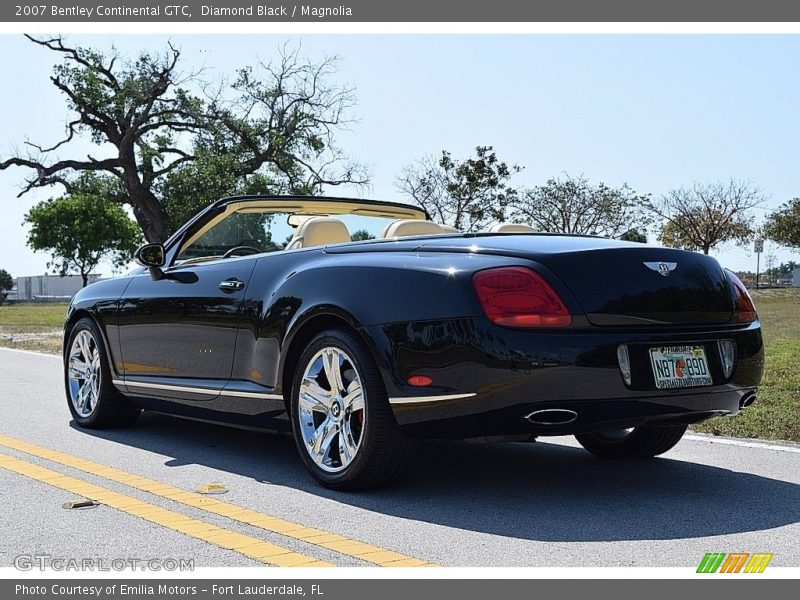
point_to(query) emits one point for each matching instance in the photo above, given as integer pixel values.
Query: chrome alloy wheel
(84, 373)
(331, 409)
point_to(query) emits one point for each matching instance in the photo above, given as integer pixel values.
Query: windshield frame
(312, 205)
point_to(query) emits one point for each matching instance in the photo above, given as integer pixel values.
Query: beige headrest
(511, 228)
(449, 229)
(319, 231)
(407, 227)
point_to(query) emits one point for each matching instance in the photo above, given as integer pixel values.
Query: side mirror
(153, 256)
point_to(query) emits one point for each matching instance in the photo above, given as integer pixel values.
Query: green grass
(33, 315)
(776, 415)
(32, 326)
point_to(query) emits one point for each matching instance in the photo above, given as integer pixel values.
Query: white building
(47, 287)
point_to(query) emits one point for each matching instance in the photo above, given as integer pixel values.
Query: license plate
(680, 367)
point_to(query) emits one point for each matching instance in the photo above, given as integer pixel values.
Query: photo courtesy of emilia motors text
(354, 299)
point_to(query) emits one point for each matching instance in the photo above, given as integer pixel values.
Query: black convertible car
(265, 312)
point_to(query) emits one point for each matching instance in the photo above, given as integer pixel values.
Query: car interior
(240, 230)
(321, 231)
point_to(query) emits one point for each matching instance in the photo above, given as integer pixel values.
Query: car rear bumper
(488, 379)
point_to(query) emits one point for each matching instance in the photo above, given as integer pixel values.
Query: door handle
(231, 285)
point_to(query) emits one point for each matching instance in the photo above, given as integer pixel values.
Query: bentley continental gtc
(362, 326)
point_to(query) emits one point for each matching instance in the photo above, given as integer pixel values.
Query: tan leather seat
(319, 231)
(511, 228)
(449, 229)
(409, 227)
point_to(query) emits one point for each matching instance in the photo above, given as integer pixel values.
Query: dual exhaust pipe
(552, 416)
(564, 416)
(747, 400)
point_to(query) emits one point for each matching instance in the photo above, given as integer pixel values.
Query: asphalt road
(543, 504)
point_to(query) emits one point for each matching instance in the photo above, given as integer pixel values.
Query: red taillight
(745, 310)
(519, 297)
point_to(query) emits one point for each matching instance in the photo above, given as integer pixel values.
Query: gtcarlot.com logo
(43, 562)
(734, 562)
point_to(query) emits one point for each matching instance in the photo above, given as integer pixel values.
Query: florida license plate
(680, 367)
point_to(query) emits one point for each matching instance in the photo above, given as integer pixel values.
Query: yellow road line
(337, 543)
(224, 538)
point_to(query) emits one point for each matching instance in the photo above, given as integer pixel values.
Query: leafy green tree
(467, 194)
(191, 187)
(79, 230)
(361, 234)
(572, 205)
(634, 235)
(271, 130)
(783, 225)
(782, 271)
(706, 215)
(6, 281)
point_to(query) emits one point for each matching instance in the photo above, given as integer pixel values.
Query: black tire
(384, 452)
(642, 442)
(112, 408)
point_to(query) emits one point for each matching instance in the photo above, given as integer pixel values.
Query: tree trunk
(85, 277)
(149, 214)
(147, 209)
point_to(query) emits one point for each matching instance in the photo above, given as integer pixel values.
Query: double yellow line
(249, 546)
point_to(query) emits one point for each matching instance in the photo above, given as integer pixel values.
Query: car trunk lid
(619, 283)
(628, 286)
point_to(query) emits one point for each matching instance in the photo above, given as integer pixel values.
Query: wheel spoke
(347, 445)
(354, 400)
(309, 404)
(333, 372)
(77, 368)
(83, 343)
(313, 397)
(83, 395)
(321, 441)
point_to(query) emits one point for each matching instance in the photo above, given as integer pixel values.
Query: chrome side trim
(426, 399)
(258, 395)
(262, 396)
(164, 386)
(197, 390)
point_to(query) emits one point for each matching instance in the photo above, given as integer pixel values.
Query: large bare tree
(466, 194)
(705, 215)
(572, 205)
(152, 122)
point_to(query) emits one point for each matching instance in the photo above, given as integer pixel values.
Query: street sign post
(758, 248)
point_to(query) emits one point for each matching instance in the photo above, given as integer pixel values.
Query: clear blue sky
(655, 111)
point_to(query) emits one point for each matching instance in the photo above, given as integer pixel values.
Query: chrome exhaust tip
(747, 400)
(552, 416)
